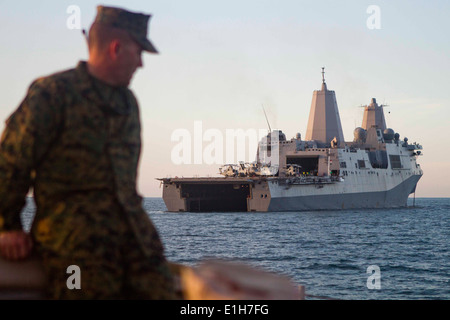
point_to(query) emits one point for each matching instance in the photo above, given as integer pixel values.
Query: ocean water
(329, 252)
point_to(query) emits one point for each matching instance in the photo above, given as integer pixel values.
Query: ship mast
(324, 123)
(270, 129)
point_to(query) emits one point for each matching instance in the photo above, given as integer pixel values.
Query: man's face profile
(128, 58)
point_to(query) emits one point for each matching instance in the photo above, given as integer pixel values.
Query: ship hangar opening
(307, 164)
(216, 197)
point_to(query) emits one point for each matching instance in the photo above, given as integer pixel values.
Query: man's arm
(28, 134)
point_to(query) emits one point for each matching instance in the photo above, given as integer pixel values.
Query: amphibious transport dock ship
(375, 170)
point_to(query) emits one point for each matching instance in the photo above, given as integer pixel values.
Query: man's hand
(15, 245)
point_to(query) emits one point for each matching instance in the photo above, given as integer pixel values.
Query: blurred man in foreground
(75, 139)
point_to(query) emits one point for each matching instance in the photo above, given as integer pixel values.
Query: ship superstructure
(375, 170)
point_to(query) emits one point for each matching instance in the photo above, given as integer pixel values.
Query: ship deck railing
(309, 180)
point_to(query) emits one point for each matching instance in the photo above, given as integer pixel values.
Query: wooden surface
(21, 280)
(210, 280)
(227, 280)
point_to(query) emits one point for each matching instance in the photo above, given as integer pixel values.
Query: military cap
(136, 24)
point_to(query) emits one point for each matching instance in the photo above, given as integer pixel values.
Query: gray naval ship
(322, 172)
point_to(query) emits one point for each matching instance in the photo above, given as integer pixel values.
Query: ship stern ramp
(215, 194)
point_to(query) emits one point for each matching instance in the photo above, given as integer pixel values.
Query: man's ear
(114, 48)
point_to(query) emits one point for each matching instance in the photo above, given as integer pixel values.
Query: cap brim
(148, 46)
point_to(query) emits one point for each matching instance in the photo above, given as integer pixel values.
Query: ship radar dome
(359, 135)
(388, 134)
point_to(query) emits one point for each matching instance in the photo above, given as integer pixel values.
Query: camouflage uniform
(76, 141)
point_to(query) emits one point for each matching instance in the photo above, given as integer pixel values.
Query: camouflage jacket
(75, 141)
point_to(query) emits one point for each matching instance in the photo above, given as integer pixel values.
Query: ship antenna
(270, 130)
(323, 74)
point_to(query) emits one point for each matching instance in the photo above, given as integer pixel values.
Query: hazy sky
(221, 61)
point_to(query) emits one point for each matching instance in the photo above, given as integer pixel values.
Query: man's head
(116, 41)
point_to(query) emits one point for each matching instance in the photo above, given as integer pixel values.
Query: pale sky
(221, 61)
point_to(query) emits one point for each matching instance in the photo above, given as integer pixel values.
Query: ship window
(361, 164)
(343, 164)
(396, 163)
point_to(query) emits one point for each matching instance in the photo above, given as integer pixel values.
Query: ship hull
(275, 195)
(393, 198)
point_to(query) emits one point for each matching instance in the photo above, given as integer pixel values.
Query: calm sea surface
(328, 252)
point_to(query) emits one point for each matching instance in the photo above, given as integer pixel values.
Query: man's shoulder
(52, 92)
(56, 80)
